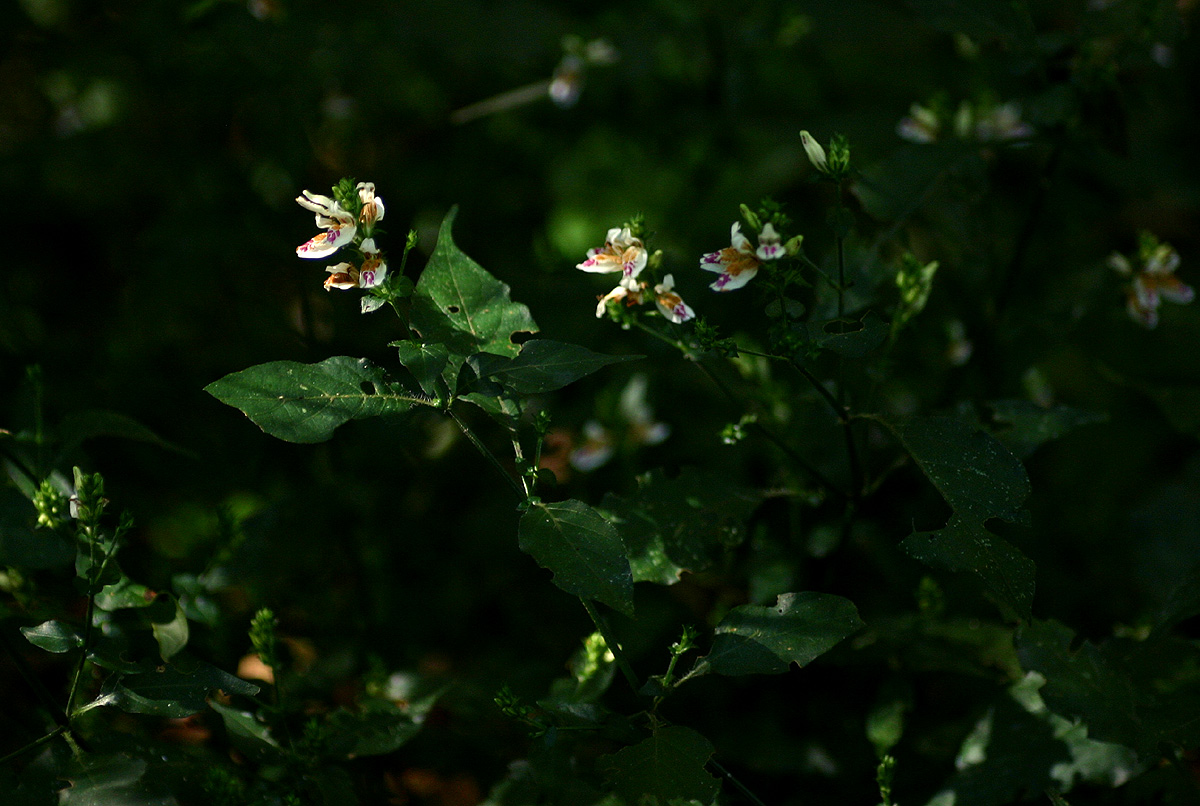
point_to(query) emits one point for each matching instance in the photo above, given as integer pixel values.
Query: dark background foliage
(150, 154)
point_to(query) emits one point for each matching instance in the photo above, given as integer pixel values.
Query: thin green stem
(738, 785)
(60, 730)
(611, 641)
(483, 449)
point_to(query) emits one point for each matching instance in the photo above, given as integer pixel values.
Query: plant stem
(738, 785)
(611, 641)
(483, 449)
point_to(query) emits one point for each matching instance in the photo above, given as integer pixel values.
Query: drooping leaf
(847, 337)
(80, 426)
(582, 549)
(799, 628)
(247, 733)
(115, 779)
(544, 366)
(980, 479)
(53, 636)
(1023, 426)
(173, 690)
(684, 524)
(124, 593)
(458, 303)
(172, 636)
(669, 765)
(306, 402)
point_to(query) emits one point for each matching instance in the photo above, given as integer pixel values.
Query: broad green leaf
(117, 779)
(980, 479)
(544, 366)
(1023, 426)
(124, 593)
(249, 735)
(53, 636)
(847, 337)
(670, 526)
(668, 765)
(306, 402)
(458, 303)
(429, 365)
(798, 629)
(172, 636)
(368, 733)
(1136, 693)
(173, 690)
(582, 549)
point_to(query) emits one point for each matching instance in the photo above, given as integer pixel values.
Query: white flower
(621, 252)
(738, 263)
(816, 154)
(670, 304)
(338, 224)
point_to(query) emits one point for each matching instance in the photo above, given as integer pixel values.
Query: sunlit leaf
(582, 549)
(668, 765)
(429, 364)
(670, 526)
(53, 636)
(306, 402)
(544, 366)
(798, 629)
(458, 303)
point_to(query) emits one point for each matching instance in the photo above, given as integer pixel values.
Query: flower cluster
(625, 253)
(987, 123)
(1153, 279)
(348, 219)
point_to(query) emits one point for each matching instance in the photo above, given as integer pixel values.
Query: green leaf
(668, 765)
(116, 779)
(428, 364)
(799, 628)
(460, 304)
(980, 479)
(172, 636)
(53, 636)
(80, 426)
(306, 402)
(670, 526)
(249, 735)
(544, 366)
(172, 690)
(124, 593)
(847, 337)
(1023, 426)
(369, 733)
(582, 549)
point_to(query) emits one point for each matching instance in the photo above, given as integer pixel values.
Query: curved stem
(483, 449)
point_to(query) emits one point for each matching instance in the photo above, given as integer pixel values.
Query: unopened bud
(751, 218)
(816, 154)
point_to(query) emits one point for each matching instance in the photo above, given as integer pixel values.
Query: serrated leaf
(458, 303)
(53, 636)
(1024, 426)
(980, 479)
(849, 338)
(173, 690)
(668, 765)
(670, 526)
(544, 366)
(798, 629)
(429, 365)
(306, 402)
(582, 549)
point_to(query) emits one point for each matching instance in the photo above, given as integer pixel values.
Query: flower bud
(816, 154)
(751, 218)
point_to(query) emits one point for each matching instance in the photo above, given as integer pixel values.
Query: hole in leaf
(840, 327)
(520, 337)
(453, 308)
(367, 387)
